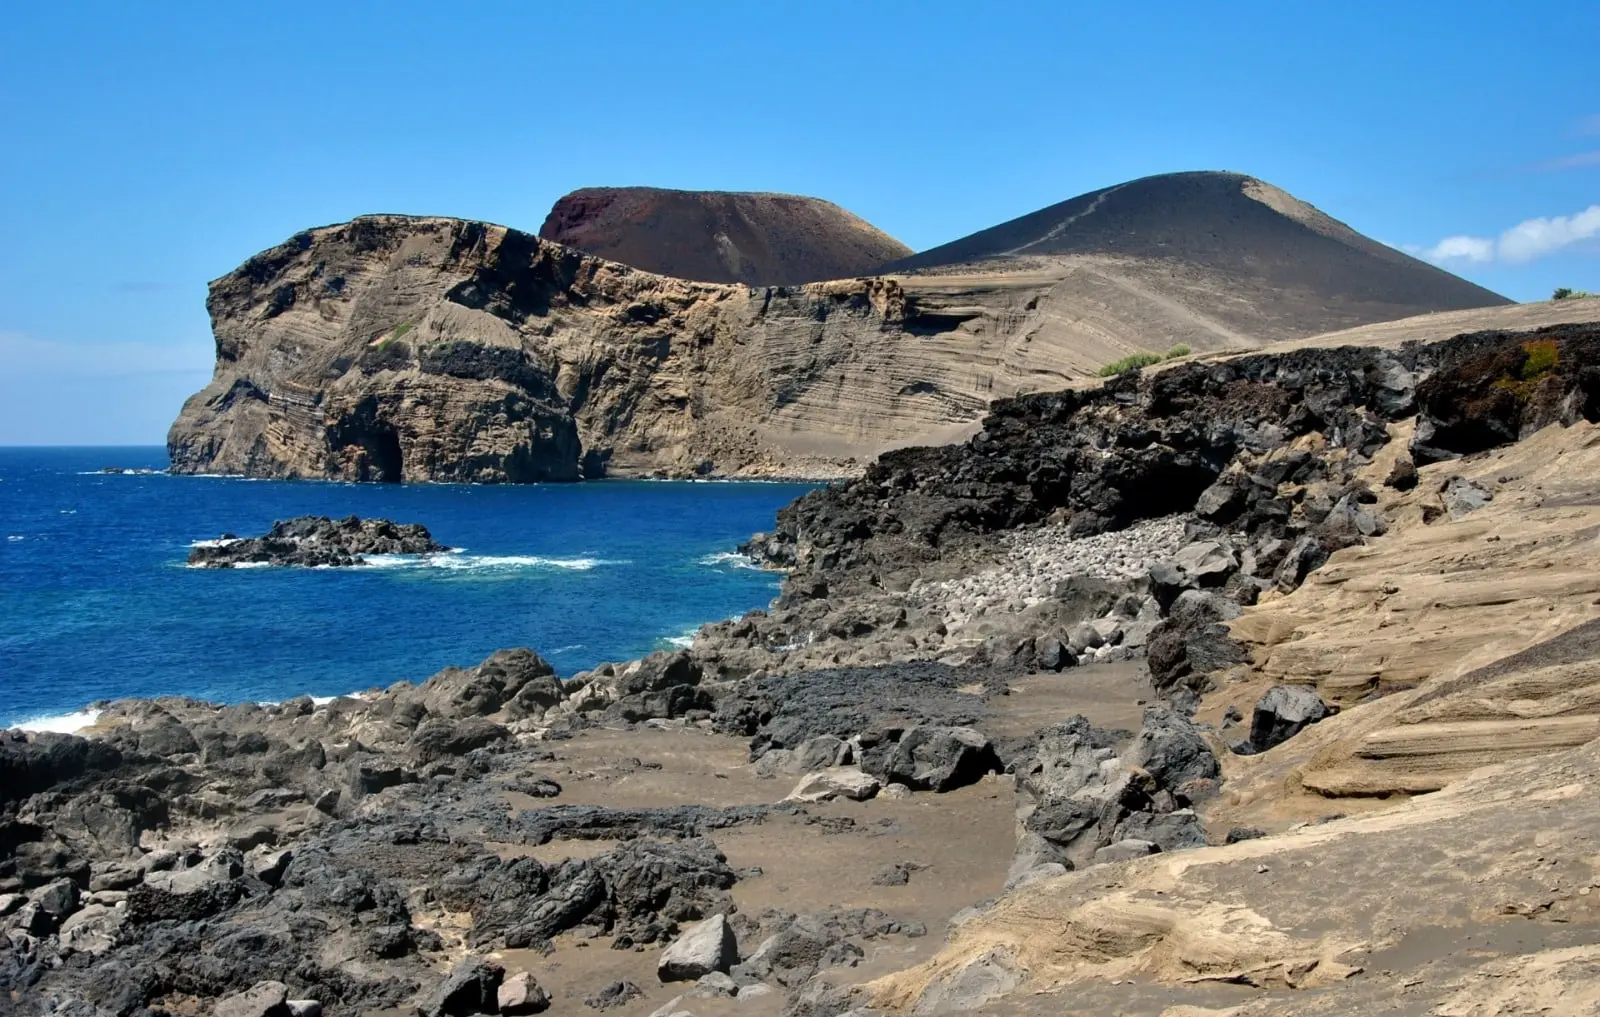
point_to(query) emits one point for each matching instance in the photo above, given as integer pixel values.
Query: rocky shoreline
(451, 847)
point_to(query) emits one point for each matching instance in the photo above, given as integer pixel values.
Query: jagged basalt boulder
(1193, 642)
(473, 987)
(939, 758)
(705, 948)
(30, 763)
(1282, 713)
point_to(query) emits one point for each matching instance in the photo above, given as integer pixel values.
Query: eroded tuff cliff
(721, 236)
(395, 348)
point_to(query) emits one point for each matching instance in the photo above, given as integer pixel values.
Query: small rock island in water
(310, 541)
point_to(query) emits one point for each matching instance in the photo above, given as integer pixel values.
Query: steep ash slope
(721, 236)
(1184, 234)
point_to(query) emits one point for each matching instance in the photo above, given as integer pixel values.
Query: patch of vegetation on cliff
(1138, 360)
(1540, 358)
(389, 355)
(1568, 293)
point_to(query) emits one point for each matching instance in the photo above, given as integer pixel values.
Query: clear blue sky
(152, 147)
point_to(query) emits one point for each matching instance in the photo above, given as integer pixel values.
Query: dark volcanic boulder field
(312, 541)
(1144, 446)
(1259, 458)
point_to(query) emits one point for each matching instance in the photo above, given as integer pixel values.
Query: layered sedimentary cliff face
(393, 348)
(721, 236)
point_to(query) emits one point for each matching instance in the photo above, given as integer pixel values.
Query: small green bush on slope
(1138, 360)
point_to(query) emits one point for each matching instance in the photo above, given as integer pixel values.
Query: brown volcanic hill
(1254, 258)
(721, 236)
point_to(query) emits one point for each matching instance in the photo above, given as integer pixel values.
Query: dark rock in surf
(317, 541)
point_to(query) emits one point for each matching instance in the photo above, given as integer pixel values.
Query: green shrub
(1568, 293)
(1129, 363)
(400, 330)
(1543, 355)
(1177, 351)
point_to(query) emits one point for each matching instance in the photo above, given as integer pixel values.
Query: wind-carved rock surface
(392, 348)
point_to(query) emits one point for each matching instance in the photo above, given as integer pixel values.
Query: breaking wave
(730, 559)
(64, 723)
(456, 560)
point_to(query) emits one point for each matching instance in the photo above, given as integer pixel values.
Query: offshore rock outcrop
(316, 541)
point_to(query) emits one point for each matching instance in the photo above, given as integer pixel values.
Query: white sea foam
(315, 700)
(451, 560)
(65, 723)
(16, 537)
(682, 642)
(219, 542)
(458, 561)
(731, 559)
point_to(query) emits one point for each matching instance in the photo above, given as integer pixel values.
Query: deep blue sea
(96, 602)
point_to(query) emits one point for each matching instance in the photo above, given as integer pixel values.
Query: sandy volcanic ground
(960, 843)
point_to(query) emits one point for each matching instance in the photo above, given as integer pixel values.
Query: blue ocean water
(95, 601)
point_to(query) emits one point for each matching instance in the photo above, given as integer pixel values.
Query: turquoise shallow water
(95, 601)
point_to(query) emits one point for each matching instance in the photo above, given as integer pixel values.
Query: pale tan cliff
(439, 349)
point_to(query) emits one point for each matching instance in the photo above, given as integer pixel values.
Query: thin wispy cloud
(1460, 248)
(25, 355)
(1526, 241)
(1579, 160)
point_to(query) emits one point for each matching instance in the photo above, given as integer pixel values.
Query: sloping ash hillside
(721, 236)
(1221, 225)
